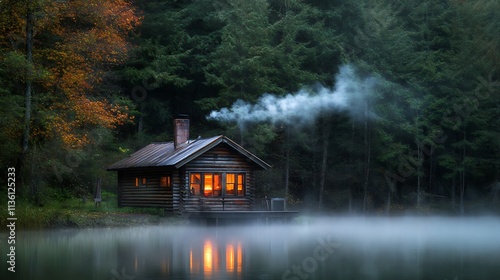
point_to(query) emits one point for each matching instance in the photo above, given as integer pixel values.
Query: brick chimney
(181, 130)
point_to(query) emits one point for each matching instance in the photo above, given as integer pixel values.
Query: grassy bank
(78, 213)
(58, 210)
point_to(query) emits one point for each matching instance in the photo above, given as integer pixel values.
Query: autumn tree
(69, 47)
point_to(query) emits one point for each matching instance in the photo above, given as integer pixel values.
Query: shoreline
(85, 220)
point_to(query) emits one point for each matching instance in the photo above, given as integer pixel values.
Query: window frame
(213, 175)
(192, 190)
(168, 181)
(239, 183)
(236, 184)
(141, 182)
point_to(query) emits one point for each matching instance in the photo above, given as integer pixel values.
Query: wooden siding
(220, 159)
(152, 195)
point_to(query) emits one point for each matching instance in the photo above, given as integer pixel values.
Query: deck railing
(217, 204)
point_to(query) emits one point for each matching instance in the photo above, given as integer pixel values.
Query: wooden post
(97, 194)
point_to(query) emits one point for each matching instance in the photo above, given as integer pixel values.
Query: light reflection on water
(336, 248)
(213, 259)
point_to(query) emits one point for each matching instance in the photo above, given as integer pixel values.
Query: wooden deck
(236, 217)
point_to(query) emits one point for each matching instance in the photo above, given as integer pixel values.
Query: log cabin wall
(151, 194)
(220, 159)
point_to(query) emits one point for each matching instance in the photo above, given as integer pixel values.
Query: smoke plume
(351, 95)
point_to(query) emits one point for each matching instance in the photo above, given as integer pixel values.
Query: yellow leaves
(76, 116)
(75, 42)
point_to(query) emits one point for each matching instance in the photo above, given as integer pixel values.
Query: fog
(351, 94)
(308, 248)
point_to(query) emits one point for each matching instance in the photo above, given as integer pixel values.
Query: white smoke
(351, 94)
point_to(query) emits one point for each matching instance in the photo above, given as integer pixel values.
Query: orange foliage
(88, 37)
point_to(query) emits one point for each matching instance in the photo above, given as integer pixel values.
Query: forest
(381, 106)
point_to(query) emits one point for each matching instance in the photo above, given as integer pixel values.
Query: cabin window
(230, 183)
(213, 185)
(235, 184)
(240, 185)
(195, 183)
(166, 181)
(140, 182)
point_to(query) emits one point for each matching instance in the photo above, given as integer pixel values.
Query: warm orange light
(239, 258)
(194, 262)
(191, 260)
(230, 258)
(165, 181)
(230, 182)
(240, 184)
(195, 183)
(207, 257)
(208, 182)
(216, 258)
(230, 178)
(217, 182)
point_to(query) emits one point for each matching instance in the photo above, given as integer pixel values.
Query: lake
(312, 248)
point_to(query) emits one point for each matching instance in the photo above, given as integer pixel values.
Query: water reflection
(203, 255)
(215, 259)
(369, 249)
(208, 258)
(234, 258)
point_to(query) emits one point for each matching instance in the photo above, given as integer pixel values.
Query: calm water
(337, 248)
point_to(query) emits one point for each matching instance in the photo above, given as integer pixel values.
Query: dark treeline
(433, 145)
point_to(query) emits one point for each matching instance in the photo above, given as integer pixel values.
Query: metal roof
(165, 154)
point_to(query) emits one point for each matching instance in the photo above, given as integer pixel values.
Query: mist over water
(311, 248)
(350, 94)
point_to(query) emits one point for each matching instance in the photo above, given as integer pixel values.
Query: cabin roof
(165, 154)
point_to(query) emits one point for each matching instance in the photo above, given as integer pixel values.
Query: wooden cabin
(213, 174)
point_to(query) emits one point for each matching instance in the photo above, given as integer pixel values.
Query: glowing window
(165, 181)
(212, 184)
(140, 182)
(217, 184)
(195, 183)
(208, 184)
(240, 185)
(230, 182)
(235, 184)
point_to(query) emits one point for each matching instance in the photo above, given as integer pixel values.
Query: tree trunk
(21, 164)
(418, 176)
(453, 191)
(462, 174)
(351, 164)
(430, 189)
(419, 160)
(324, 158)
(287, 172)
(28, 88)
(34, 182)
(367, 159)
(287, 162)
(140, 123)
(388, 202)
